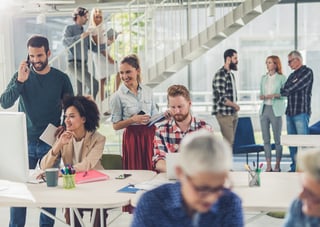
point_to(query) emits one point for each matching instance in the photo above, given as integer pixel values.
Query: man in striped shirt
(170, 132)
(298, 89)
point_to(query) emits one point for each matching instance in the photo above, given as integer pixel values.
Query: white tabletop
(277, 190)
(101, 194)
(300, 140)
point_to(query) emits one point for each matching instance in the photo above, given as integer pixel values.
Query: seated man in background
(170, 132)
(200, 197)
(305, 210)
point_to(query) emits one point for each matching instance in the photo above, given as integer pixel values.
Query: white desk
(277, 190)
(300, 140)
(101, 194)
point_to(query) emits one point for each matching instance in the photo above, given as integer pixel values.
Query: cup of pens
(254, 175)
(68, 177)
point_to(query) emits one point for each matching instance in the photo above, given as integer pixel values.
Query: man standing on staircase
(225, 96)
(78, 55)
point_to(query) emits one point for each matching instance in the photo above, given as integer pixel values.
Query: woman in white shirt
(272, 109)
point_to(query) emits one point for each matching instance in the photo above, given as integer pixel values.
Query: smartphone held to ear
(28, 61)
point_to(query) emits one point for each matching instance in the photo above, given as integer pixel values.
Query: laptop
(171, 162)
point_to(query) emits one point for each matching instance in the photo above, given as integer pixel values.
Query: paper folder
(90, 176)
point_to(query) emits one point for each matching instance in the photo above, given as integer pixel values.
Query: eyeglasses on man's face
(204, 191)
(291, 60)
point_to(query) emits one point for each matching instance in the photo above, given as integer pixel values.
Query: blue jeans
(298, 124)
(36, 151)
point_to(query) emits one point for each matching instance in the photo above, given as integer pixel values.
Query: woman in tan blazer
(80, 145)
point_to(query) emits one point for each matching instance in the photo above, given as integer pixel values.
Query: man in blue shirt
(305, 210)
(40, 90)
(78, 59)
(200, 198)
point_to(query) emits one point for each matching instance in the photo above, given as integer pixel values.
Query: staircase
(174, 33)
(206, 39)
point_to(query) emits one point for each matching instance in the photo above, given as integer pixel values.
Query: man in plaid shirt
(225, 96)
(298, 89)
(170, 132)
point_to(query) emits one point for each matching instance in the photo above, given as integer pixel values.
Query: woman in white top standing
(102, 39)
(272, 109)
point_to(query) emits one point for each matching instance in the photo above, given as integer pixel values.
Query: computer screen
(13, 147)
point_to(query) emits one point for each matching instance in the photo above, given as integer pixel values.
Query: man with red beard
(170, 132)
(40, 90)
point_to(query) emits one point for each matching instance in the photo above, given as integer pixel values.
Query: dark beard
(42, 66)
(233, 66)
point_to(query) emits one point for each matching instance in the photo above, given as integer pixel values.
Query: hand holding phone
(24, 70)
(141, 113)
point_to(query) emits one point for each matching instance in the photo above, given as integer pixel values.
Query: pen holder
(254, 178)
(69, 181)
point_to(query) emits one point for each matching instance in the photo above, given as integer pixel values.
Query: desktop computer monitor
(14, 164)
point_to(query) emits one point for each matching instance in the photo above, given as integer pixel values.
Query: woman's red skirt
(137, 147)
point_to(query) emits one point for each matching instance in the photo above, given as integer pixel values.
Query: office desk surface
(300, 140)
(277, 190)
(101, 194)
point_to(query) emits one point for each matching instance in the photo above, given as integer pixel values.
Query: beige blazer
(92, 149)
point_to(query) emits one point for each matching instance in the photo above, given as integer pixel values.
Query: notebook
(171, 162)
(156, 118)
(90, 176)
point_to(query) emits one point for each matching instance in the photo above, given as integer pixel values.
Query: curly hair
(87, 108)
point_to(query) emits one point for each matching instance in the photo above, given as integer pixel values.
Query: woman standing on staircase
(272, 109)
(131, 108)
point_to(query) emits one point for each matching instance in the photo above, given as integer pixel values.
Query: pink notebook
(90, 176)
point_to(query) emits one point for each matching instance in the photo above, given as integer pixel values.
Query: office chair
(315, 128)
(244, 141)
(111, 161)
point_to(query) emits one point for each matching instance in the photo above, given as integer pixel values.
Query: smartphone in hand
(141, 113)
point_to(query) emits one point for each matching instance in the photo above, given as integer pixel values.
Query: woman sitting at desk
(80, 145)
(200, 197)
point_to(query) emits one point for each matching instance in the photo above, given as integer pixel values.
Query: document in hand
(90, 176)
(48, 134)
(156, 118)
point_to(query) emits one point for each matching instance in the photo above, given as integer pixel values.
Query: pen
(247, 167)
(43, 178)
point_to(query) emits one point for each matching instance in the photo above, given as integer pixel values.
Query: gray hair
(201, 151)
(295, 54)
(309, 162)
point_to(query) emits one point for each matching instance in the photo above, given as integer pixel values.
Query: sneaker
(291, 170)
(106, 113)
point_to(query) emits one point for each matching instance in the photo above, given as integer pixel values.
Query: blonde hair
(95, 11)
(309, 161)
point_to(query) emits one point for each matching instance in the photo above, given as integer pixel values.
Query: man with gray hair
(200, 197)
(305, 210)
(298, 89)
